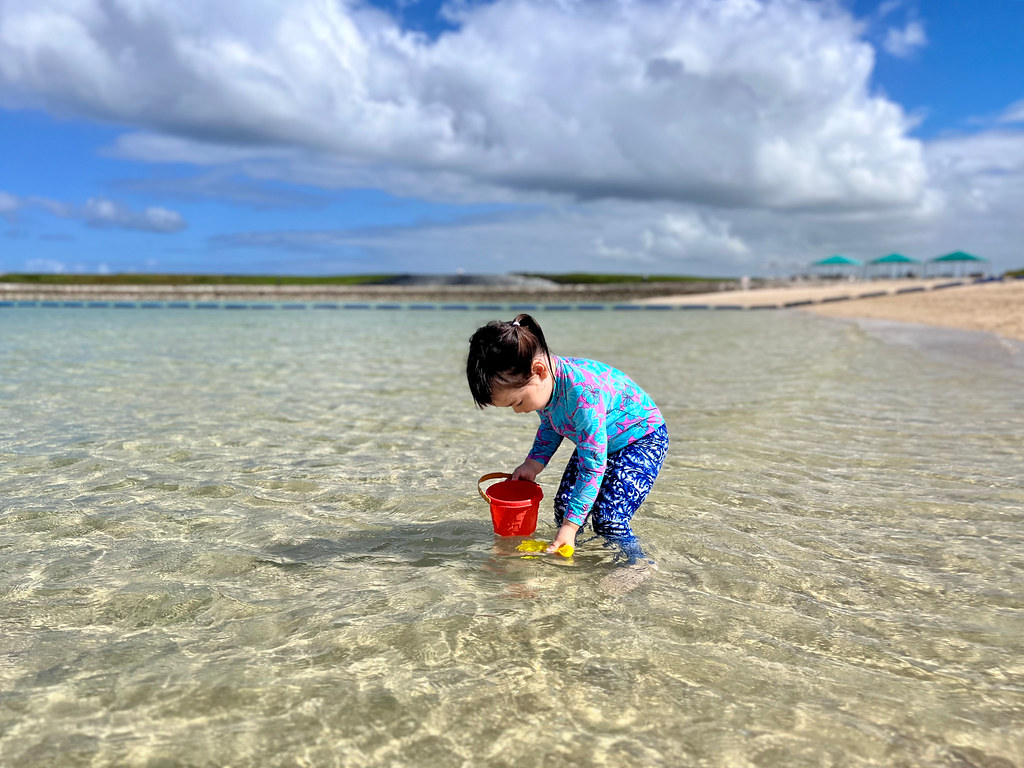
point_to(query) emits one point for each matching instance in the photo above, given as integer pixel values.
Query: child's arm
(590, 421)
(544, 446)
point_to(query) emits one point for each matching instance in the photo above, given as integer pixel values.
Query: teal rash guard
(601, 410)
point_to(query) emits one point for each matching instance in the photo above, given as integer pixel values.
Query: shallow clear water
(254, 539)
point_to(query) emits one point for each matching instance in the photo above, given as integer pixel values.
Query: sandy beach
(993, 307)
(996, 307)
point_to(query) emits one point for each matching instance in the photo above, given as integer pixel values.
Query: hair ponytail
(501, 354)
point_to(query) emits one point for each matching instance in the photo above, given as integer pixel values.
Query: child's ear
(539, 368)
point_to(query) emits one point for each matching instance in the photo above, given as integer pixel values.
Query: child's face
(533, 396)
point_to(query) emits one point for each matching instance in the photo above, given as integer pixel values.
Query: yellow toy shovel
(535, 545)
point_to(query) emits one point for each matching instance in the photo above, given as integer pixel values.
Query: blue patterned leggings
(627, 481)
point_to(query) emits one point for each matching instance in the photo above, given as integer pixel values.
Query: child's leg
(629, 478)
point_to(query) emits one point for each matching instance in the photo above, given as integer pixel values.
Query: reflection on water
(254, 539)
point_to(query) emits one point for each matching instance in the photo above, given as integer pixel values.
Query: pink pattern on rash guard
(601, 410)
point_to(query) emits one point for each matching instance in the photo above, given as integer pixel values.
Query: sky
(658, 137)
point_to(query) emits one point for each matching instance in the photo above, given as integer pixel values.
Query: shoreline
(993, 305)
(951, 345)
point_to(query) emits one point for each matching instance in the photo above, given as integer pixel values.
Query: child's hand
(528, 470)
(566, 535)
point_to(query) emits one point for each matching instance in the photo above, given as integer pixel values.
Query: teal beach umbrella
(837, 260)
(896, 258)
(958, 258)
(836, 265)
(896, 261)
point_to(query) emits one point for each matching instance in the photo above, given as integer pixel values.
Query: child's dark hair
(501, 354)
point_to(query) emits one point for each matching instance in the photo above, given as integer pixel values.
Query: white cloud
(55, 266)
(51, 266)
(761, 103)
(691, 236)
(990, 153)
(617, 254)
(9, 204)
(903, 43)
(1014, 113)
(658, 237)
(678, 134)
(981, 177)
(888, 7)
(54, 207)
(99, 212)
(973, 202)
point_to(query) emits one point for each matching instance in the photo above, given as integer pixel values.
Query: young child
(619, 433)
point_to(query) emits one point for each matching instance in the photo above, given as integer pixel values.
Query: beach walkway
(798, 294)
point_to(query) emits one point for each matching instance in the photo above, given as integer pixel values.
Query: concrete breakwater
(504, 294)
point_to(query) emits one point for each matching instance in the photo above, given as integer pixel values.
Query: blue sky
(708, 137)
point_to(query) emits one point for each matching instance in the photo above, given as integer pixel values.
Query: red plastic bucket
(514, 504)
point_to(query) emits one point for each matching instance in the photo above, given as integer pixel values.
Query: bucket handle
(491, 476)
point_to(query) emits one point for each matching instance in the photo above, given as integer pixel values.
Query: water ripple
(254, 539)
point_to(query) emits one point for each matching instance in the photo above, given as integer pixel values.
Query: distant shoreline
(992, 305)
(499, 293)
